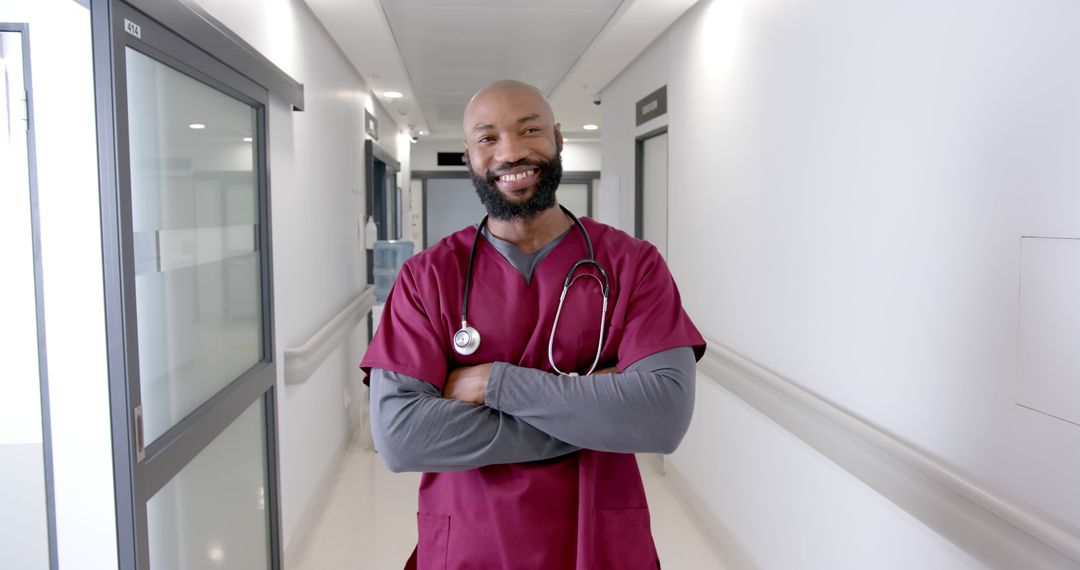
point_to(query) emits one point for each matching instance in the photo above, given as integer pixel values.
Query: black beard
(543, 197)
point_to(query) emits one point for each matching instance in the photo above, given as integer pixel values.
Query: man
(525, 467)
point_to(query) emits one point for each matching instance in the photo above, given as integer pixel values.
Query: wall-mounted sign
(652, 106)
(371, 125)
(450, 159)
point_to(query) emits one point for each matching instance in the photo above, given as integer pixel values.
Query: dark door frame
(639, 179)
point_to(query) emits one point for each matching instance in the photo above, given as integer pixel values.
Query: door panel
(194, 213)
(213, 513)
(655, 192)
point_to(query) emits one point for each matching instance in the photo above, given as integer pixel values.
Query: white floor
(370, 521)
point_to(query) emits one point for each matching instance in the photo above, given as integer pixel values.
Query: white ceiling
(439, 52)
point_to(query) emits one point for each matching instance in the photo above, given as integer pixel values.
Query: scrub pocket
(624, 541)
(434, 538)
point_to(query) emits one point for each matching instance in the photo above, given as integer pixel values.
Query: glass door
(195, 277)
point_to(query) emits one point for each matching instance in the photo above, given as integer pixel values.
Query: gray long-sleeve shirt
(531, 415)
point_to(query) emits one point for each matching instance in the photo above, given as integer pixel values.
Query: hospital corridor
(540, 284)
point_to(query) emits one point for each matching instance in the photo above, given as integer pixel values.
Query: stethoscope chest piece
(466, 340)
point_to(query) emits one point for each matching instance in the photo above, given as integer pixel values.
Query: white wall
(69, 210)
(862, 173)
(317, 187)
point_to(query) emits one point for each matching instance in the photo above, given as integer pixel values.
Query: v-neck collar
(524, 263)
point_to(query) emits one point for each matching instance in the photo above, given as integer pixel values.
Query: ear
(558, 137)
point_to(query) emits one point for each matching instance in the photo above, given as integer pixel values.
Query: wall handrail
(302, 361)
(988, 526)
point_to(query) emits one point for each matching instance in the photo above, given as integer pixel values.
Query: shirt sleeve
(655, 319)
(646, 409)
(416, 429)
(409, 339)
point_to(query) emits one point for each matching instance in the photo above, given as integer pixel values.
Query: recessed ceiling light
(590, 127)
(393, 94)
(197, 126)
(248, 139)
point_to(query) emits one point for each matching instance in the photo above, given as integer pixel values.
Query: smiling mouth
(517, 176)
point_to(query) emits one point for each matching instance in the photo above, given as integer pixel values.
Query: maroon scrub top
(586, 510)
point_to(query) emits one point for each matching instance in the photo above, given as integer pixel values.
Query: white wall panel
(1050, 327)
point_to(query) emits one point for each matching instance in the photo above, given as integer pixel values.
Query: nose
(510, 150)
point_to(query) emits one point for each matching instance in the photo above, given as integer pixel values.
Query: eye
(531, 130)
(485, 139)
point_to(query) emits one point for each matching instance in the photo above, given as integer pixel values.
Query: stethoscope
(467, 339)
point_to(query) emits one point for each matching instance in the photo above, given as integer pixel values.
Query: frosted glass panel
(194, 209)
(213, 514)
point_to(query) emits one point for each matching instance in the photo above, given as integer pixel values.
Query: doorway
(28, 537)
(651, 189)
(383, 198)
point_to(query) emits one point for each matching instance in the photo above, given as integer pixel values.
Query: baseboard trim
(723, 544)
(303, 537)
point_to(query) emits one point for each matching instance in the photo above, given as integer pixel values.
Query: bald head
(512, 146)
(505, 96)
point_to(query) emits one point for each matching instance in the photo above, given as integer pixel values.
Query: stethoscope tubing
(467, 339)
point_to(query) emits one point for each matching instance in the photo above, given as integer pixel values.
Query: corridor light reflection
(724, 22)
(216, 554)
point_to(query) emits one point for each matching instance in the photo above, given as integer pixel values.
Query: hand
(467, 384)
(608, 370)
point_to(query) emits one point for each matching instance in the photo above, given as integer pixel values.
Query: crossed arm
(498, 413)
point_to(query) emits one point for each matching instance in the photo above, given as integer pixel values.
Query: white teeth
(515, 177)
